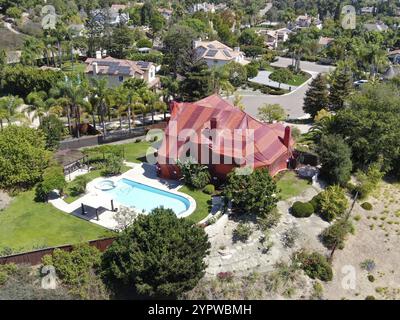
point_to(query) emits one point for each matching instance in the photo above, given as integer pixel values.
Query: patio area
(97, 207)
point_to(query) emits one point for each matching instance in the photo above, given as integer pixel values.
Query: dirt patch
(377, 239)
(5, 200)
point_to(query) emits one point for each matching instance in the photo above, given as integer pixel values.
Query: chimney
(286, 138)
(213, 123)
(174, 108)
(95, 68)
(98, 54)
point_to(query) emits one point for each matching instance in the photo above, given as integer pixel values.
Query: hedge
(302, 209)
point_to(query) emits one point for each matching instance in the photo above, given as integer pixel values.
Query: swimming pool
(146, 198)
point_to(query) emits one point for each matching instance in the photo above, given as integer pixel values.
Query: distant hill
(10, 40)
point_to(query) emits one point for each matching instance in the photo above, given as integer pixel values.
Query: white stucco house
(215, 53)
(273, 38)
(116, 71)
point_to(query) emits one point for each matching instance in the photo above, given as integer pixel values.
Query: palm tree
(8, 108)
(37, 104)
(99, 91)
(75, 93)
(32, 51)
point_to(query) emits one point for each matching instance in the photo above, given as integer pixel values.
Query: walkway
(263, 78)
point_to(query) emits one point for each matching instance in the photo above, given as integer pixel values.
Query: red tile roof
(268, 138)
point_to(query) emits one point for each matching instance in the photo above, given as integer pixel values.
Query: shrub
(366, 206)
(77, 269)
(371, 278)
(318, 291)
(53, 178)
(3, 278)
(194, 175)
(302, 209)
(254, 192)
(335, 235)
(370, 298)
(368, 265)
(113, 165)
(268, 220)
(79, 185)
(289, 237)
(315, 265)
(242, 232)
(225, 276)
(332, 203)
(209, 189)
(315, 202)
(368, 181)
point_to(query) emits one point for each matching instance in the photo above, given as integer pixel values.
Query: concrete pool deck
(95, 198)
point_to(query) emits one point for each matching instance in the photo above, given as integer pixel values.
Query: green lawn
(290, 185)
(26, 225)
(136, 151)
(203, 204)
(76, 66)
(298, 79)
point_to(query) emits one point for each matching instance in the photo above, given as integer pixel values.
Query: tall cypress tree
(317, 96)
(340, 89)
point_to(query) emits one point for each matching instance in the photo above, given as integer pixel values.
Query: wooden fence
(35, 257)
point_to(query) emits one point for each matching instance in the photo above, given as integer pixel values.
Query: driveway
(291, 102)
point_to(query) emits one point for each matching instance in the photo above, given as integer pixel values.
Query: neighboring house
(306, 21)
(325, 41)
(237, 136)
(116, 71)
(391, 72)
(274, 37)
(394, 56)
(77, 30)
(207, 7)
(367, 10)
(114, 15)
(378, 26)
(215, 53)
(166, 13)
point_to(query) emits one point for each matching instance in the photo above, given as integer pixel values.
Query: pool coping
(91, 188)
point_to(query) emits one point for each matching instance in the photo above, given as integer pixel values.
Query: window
(121, 78)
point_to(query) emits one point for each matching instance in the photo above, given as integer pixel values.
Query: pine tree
(340, 89)
(317, 96)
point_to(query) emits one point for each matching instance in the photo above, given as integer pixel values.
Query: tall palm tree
(99, 93)
(32, 51)
(36, 101)
(75, 93)
(8, 108)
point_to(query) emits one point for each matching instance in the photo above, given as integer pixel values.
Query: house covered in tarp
(213, 132)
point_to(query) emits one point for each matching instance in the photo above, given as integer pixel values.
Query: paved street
(292, 102)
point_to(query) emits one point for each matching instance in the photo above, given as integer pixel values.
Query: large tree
(23, 157)
(370, 126)
(159, 255)
(316, 97)
(254, 192)
(340, 89)
(178, 43)
(335, 157)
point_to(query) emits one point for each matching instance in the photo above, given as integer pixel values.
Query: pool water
(145, 198)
